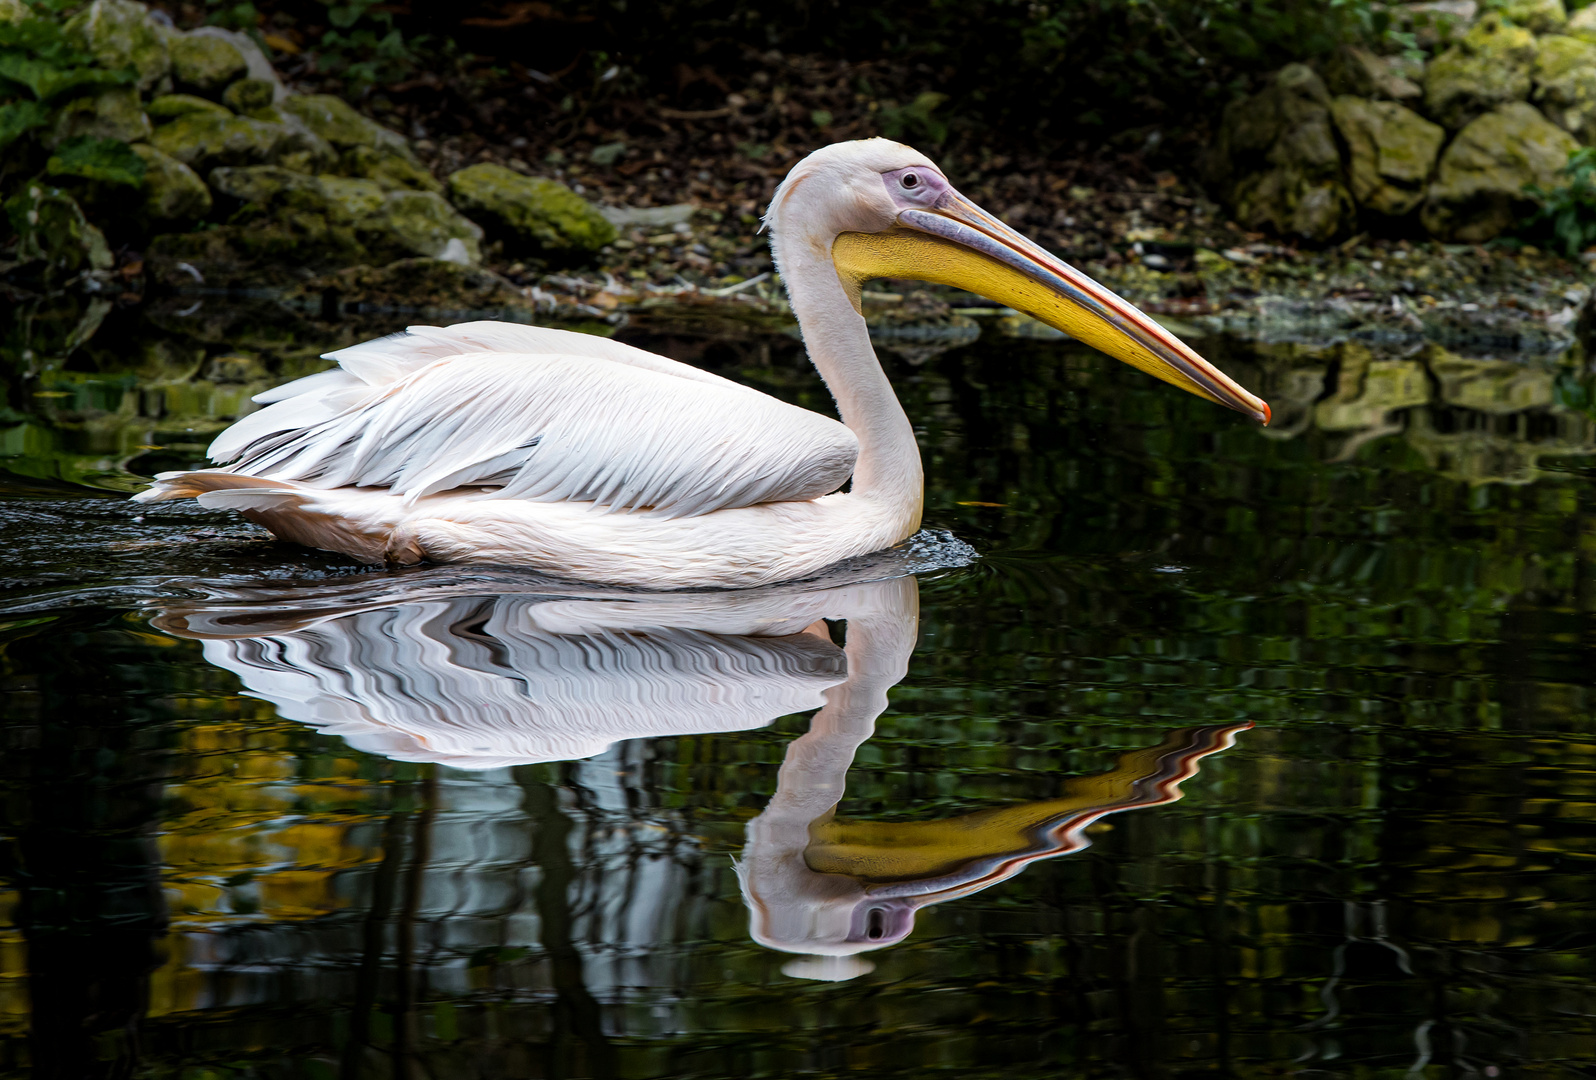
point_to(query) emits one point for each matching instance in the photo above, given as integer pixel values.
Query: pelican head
(876, 208)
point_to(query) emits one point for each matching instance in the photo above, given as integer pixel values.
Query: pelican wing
(545, 415)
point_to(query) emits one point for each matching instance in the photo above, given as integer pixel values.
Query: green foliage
(17, 118)
(106, 160)
(35, 55)
(365, 46)
(1568, 211)
(916, 121)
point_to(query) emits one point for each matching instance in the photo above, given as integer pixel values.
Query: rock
(1541, 16)
(247, 95)
(301, 149)
(1392, 150)
(395, 172)
(531, 214)
(284, 225)
(171, 106)
(1489, 67)
(648, 217)
(1583, 24)
(203, 140)
(1565, 84)
(205, 63)
(1275, 160)
(427, 225)
(1436, 22)
(256, 65)
(334, 120)
(1478, 191)
(1360, 73)
(110, 114)
(119, 33)
(1500, 387)
(53, 235)
(172, 191)
(14, 11)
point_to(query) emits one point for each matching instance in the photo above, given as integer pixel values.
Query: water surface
(1234, 752)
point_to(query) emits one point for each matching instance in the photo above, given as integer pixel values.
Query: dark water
(1234, 753)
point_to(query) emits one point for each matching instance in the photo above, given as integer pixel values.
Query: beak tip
(1267, 415)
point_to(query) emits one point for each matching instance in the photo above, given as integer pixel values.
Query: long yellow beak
(959, 244)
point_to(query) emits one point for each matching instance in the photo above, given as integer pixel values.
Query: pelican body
(496, 443)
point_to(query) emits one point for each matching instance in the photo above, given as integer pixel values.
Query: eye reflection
(428, 669)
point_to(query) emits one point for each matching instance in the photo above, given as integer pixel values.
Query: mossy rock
(110, 114)
(172, 191)
(247, 95)
(1276, 163)
(171, 106)
(1565, 84)
(284, 226)
(1541, 16)
(14, 11)
(336, 121)
(1478, 191)
(1583, 24)
(203, 140)
(531, 214)
(55, 241)
(204, 63)
(1392, 152)
(1489, 67)
(301, 149)
(120, 34)
(395, 172)
(1356, 72)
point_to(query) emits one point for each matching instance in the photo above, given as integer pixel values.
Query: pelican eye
(910, 180)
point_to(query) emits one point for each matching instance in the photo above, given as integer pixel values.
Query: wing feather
(538, 414)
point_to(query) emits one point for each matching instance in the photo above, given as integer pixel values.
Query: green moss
(207, 139)
(1565, 84)
(1489, 67)
(301, 149)
(107, 161)
(1479, 187)
(395, 172)
(110, 114)
(336, 121)
(246, 95)
(119, 34)
(531, 213)
(173, 192)
(171, 106)
(53, 235)
(1392, 152)
(208, 64)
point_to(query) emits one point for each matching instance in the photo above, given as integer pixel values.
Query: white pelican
(503, 444)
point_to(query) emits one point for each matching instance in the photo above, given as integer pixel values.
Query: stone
(284, 225)
(1361, 73)
(1437, 22)
(1478, 191)
(256, 65)
(426, 224)
(531, 214)
(648, 217)
(14, 11)
(443, 286)
(395, 172)
(120, 33)
(204, 63)
(1583, 24)
(171, 106)
(301, 149)
(1541, 16)
(1490, 66)
(247, 95)
(1565, 84)
(1275, 160)
(110, 114)
(173, 192)
(336, 121)
(203, 140)
(53, 235)
(1392, 151)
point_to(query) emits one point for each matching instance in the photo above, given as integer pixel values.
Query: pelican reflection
(445, 673)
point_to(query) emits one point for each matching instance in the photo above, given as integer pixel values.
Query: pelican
(495, 443)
